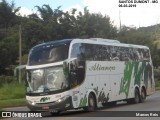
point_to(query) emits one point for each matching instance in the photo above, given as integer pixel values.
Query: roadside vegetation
(12, 90)
(158, 85)
(157, 78)
(12, 94)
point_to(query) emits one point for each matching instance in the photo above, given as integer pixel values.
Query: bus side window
(114, 53)
(77, 65)
(75, 50)
(88, 52)
(146, 54)
(140, 54)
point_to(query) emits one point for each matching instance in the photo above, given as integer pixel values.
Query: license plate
(45, 107)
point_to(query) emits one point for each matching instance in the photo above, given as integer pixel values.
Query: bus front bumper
(60, 105)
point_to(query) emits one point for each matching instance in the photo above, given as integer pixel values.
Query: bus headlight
(31, 103)
(62, 99)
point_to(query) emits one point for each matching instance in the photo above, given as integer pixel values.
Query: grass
(13, 90)
(158, 85)
(1, 110)
(12, 94)
(12, 103)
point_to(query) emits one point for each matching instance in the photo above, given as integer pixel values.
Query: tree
(95, 25)
(134, 36)
(155, 55)
(33, 33)
(8, 53)
(7, 14)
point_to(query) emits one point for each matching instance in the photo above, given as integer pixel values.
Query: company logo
(44, 99)
(98, 67)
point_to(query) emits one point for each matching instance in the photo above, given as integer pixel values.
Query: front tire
(136, 99)
(92, 106)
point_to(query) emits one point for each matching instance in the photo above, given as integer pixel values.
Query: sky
(143, 15)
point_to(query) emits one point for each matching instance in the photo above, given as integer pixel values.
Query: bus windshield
(46, 79)
(51, 53)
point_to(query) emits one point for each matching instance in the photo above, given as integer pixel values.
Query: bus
(83, 73)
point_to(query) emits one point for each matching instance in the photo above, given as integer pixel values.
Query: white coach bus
(83, 73)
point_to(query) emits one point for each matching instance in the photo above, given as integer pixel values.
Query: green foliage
(155, 55)
(6, 80)
(7, 13)
(8, 52)
(134, 36)
(158, 85)
(12, 90)
(157, 42)
(12, 103)
(157, 74)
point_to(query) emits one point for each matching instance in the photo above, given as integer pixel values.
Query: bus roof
(111, 42)
(100, 41)
(56, 42)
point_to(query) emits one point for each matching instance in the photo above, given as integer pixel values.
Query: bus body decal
(83, 101)
(137, 71)
(126, 79)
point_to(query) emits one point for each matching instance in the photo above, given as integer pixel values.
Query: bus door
(73, 81)
(76, 76)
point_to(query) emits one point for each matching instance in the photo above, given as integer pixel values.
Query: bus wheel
(143, 95)
(91, 103)
(136, 98)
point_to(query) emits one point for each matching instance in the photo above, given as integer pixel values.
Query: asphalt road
(122, 111)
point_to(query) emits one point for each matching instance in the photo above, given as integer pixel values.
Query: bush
(12, 90)
(157, 74)
(157, 84)
(7, 79)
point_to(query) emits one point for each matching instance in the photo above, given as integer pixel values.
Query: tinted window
(78, 51)
(48, 54)
(93, 52)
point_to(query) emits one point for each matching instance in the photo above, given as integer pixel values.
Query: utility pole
(120, 27)
(20, 52)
